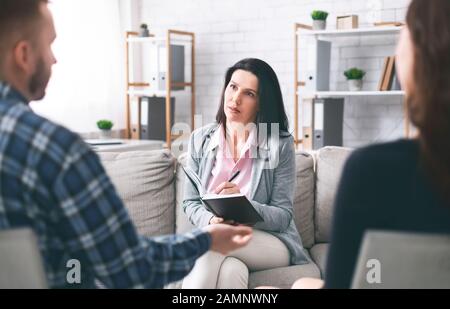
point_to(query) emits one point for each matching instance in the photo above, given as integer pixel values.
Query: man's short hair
(17, 16)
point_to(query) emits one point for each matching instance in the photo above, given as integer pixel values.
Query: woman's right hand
(215, 220)
(218, 220)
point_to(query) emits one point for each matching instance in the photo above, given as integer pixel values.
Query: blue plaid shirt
(51, 181)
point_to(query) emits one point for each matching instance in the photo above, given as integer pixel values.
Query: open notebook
(234, 207)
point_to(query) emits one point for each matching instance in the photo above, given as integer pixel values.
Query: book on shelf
(383, 73)
(388, 24)
(395, 82)
(387, 74)
(230, 207)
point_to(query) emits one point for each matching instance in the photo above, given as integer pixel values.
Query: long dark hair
(429, 103)
(271, 106)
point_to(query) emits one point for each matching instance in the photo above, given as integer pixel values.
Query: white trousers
(216, 271)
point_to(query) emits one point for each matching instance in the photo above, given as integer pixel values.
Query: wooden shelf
(156, 40)
(152, 93)
(138, 85)
(332, 94)
(146, 93)
(182, 84)
(349, 32)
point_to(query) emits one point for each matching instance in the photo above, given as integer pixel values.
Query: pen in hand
(234, 176)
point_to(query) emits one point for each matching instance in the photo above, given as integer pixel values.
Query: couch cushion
(282, 277)
(182, 222)
(329, 164)
(145, 182)
(304, 197)
(319, 255)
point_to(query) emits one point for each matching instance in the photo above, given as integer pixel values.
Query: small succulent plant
(105, 124)
(319, 15)
(354, 73)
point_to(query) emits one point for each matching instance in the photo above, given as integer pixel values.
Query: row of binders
(389, 80)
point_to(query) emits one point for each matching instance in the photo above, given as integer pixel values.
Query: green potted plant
(354, 78)
(105, 128)
(143, 30)
(319, 19)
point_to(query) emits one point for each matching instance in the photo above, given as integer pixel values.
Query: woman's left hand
(227, 188)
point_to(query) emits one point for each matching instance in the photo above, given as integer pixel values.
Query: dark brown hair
(271, 106)
(17, 16)
(429, 103)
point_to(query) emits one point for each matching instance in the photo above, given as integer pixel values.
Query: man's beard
(38, 81)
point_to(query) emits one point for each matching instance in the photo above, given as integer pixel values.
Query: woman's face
(404, 60)
(241, 97)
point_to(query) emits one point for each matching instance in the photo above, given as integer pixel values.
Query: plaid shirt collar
(7, 92)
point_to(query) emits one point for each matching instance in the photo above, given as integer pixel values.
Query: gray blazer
(271, 191)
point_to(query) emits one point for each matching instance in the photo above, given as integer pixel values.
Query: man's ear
(23, 57)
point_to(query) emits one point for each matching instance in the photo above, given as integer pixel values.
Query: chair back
(21, 265)
(403, 261)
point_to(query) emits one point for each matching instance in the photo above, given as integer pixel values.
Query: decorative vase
(355, 84)
(105, 134)
(319, 24)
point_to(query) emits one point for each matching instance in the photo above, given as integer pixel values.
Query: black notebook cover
(234, 207)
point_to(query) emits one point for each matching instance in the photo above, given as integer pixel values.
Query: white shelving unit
(142, 89)
(305, 30)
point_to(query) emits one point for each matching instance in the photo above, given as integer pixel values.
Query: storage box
(347, 22)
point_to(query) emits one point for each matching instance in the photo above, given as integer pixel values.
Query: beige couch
(151, 185)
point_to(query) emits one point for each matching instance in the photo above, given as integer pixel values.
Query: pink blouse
(225, 167)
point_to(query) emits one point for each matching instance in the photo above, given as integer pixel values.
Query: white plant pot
(319, 24)
(355, 84)
(143, 33)
(105, 134)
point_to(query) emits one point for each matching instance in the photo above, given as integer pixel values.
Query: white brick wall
(227, 31)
